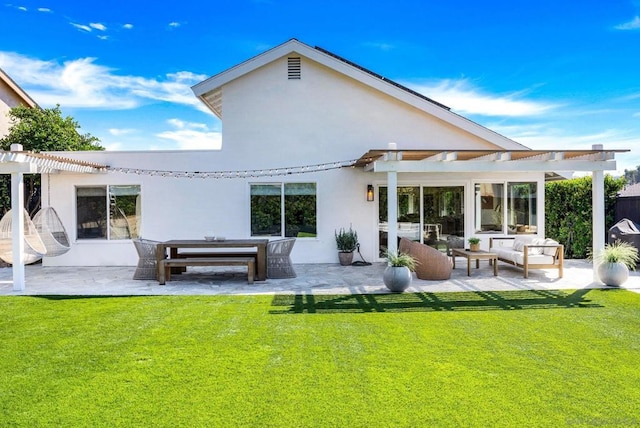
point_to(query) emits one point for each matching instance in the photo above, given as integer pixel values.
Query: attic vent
(293, 68)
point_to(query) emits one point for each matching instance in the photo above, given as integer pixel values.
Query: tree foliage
(40, 130)
(568, 216)
(46, 130)
(632, 175)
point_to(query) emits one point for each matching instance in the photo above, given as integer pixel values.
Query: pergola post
(17, 226)
(392, 211)
(598, 215)
(392, 204)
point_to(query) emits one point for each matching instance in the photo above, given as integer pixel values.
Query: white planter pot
(614, 274)
(397, 278)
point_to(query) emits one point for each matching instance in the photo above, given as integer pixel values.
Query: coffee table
(477, 256)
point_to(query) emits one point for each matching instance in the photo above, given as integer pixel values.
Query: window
(428, 214)
(290, 204)
(489, 207)
(522, 208)
(108, 212)
(519, 212)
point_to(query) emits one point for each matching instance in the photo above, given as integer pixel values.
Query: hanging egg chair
(52, 232)
(34, 248)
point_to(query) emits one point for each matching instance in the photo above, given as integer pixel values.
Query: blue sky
(550, 74)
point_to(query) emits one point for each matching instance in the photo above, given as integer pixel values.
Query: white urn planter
(397, 278)
(613, 274)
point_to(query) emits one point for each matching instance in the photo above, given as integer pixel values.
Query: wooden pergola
(17, 163)
(393, 161)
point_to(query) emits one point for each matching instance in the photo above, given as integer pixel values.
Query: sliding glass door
(426, 214)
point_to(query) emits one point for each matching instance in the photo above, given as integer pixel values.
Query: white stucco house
(11, 95)
(313, 143)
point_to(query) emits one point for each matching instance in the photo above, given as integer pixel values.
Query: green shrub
(568, 212)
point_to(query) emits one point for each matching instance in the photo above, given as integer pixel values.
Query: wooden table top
(468, 253)
(221, 243)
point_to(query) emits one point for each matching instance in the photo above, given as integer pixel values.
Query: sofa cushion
(552, 250)
(518, 245)
(520, 241)
(533, 259)
(537, 250)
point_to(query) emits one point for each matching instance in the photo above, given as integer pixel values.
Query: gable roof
(26, 99)
(209, 91)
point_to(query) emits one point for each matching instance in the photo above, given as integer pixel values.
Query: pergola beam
(492, 166)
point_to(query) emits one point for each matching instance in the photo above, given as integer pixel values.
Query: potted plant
(474, 243)
(346, 241)
(397, 276)
(615, 261)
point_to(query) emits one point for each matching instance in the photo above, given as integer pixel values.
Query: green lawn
(448, 359)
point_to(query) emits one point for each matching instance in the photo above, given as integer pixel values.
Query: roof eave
(215, 83)
(26, 99)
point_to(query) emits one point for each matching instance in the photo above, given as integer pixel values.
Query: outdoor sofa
(528, 252)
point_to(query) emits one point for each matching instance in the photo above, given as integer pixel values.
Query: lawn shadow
(432, 302)
(81, 296)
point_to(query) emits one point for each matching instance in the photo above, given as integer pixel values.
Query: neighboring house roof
(210, 90)
(630, 191)
(17, 90)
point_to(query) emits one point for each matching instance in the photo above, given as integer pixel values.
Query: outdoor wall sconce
(369, 193)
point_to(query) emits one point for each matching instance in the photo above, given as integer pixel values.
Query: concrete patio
(311, 279)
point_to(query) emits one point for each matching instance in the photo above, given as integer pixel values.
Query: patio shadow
(431, 302)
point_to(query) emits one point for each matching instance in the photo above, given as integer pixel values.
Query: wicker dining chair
(278, 258)
(147, 263)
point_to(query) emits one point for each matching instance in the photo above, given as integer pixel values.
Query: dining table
(224, 247)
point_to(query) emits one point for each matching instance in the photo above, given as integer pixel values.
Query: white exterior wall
(323, 117)
(8, 100)
(272, 122)
(180, 208)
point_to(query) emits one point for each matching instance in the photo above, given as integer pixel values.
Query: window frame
(283, 207)
(506, 208)
(134, 232)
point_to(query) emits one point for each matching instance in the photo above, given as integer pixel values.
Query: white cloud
(543, 137)
(127, 26)
(462, 97)
(174, 24)
(546, 137)
(81, 27)
(85, 84)
(192, 136)
(634, 24)
(98, 26)
(117, 132)
(22, 8)
(382, 46)
(44, 10)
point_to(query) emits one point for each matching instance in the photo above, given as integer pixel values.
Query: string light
(250, 173)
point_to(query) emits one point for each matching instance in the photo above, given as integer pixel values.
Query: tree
(632, 175)
(46, 130)
(40, 130)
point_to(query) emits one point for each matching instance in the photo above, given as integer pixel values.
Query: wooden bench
(201, 254)
(167, 264)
